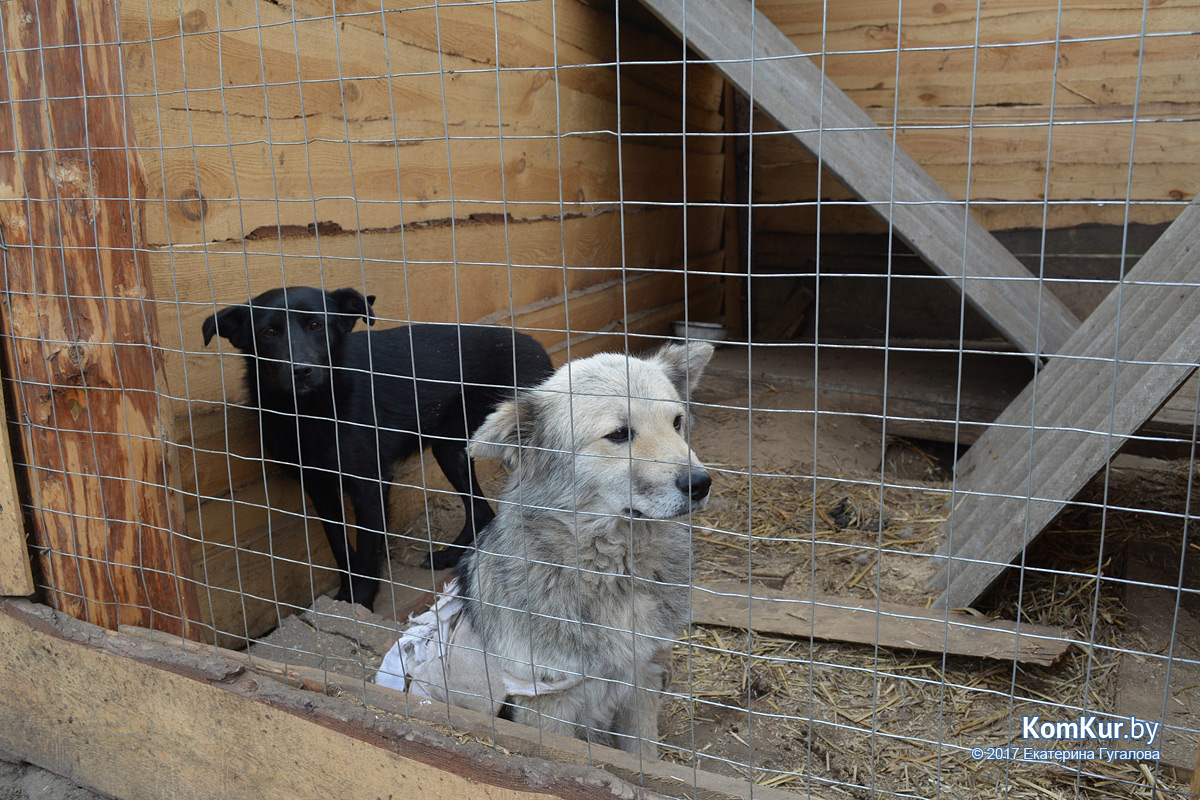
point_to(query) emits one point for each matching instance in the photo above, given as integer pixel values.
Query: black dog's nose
(302, 370)
(696, 483)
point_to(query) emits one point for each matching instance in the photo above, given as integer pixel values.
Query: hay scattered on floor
(847, 720)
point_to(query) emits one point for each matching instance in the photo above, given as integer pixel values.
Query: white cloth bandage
(441, 657)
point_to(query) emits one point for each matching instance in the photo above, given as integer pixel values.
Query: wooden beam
(515, 739)
(1117, 370)
(769, 69)
(1194, 789)
(133, 717)
(891, 625)
(80, 330)
(735, 276)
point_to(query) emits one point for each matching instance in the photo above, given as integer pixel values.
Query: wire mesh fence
(946, 253)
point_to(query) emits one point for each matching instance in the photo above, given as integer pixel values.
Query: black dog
(340, 409)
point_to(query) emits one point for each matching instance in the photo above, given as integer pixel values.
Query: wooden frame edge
(132, 716)
(16, 571)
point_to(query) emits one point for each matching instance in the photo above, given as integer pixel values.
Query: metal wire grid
(939, 742)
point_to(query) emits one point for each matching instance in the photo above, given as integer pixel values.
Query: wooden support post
(1117, 370)
(80, 328)
(1195, 787)
(761, 61)
(735, 276)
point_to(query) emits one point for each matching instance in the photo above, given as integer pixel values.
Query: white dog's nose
(696, 484)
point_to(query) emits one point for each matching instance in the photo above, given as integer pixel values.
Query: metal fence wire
(947, 254)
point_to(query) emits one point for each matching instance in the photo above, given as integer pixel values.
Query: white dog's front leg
(636, 724)
(551, 713)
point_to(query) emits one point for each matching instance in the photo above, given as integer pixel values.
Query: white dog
(579, 585)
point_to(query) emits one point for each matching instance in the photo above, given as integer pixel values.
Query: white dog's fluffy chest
(620, 597)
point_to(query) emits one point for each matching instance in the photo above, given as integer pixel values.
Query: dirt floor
(828, 504)
(20, 781)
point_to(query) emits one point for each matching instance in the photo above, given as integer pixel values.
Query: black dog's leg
(370, 518)
(327, 500)
(460, 470)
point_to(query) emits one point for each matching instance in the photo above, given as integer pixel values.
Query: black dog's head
(293, 333)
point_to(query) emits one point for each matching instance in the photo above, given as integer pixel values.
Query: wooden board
(1003, 151)
(103, 715)
(424, 274)
(1066, 425)
(890, 625)
(987, 81)
(1098, 44)
(794, 92)
(80, 331)
(134, 717)
(16, 576)
(296, 123)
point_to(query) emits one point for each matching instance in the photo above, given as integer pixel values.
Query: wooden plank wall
(987, 113)
(460, 162)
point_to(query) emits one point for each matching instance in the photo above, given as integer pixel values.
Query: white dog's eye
(620, 435)
(679, 422)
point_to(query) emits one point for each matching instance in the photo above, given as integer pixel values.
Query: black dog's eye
(620, 435)
(679, 422)
(316, 325)
(269, 331)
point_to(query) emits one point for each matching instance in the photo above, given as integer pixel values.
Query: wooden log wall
(462, 163)
(82, 357)
(1045, 135)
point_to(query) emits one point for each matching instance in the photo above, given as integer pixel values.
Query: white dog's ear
(504, 430)
(684, 364)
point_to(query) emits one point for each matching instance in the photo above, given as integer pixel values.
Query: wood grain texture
(81, 326)
(764, 64)
(135, 718)
(1129, 356)
(971, 67)
(296, 121)
(518, 741)
(890, 625)
(1020, 166)
(861, 40)
(445, 273)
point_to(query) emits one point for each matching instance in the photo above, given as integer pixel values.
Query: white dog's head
(606, 435)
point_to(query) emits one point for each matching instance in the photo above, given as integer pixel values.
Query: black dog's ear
(234, 324)
(351, 304)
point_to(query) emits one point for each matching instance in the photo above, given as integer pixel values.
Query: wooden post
(80, 328)
(1195, 787)
(735, 276)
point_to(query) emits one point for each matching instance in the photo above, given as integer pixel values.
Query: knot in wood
(71, 363)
